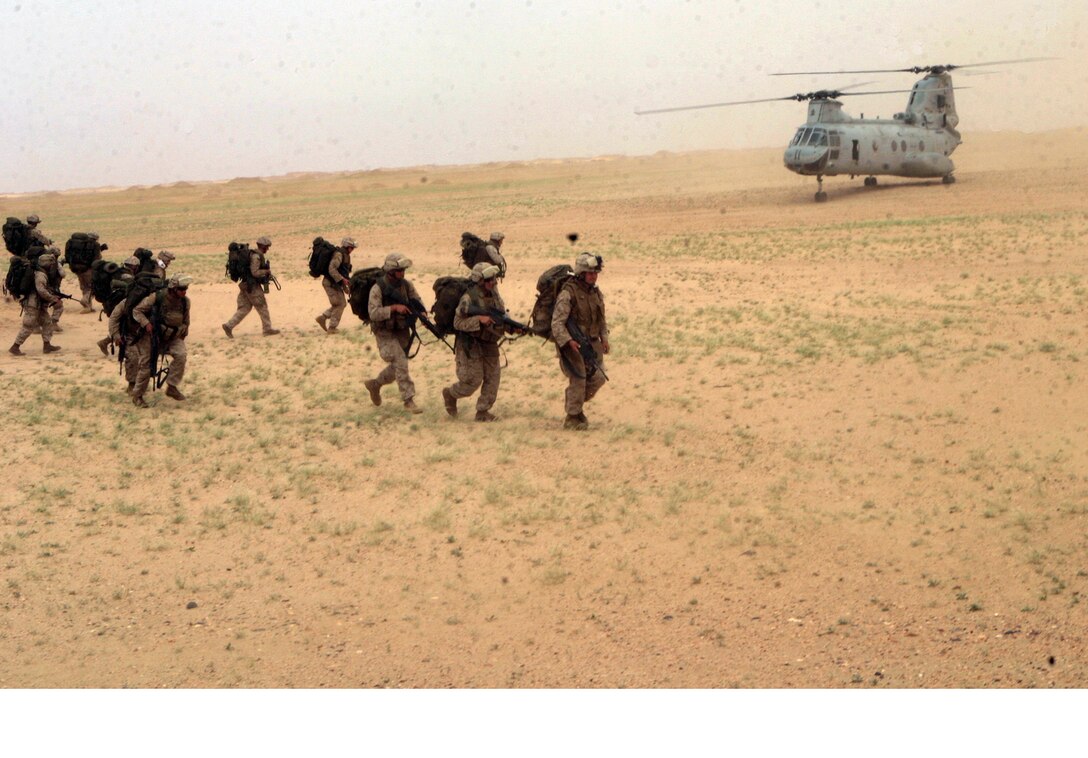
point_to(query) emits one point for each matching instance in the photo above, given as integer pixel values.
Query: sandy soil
(842, 445)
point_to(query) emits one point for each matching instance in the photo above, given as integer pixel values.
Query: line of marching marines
(149, 312)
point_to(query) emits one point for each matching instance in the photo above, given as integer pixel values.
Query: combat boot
(576, 423)
(47, 348)
(411, 407)
(321, 321)
(332, 330)
(14, 350)
(450, 402)
(139, 401)
(56, 327)
(174, 392)
(375, 391)
(270, 332)
(104, 346)
(486, 416)
(87, 309)
(227, 331)
(131, 387)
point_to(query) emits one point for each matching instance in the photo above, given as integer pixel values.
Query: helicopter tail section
(932, 103)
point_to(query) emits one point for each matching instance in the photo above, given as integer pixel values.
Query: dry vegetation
(843, 444)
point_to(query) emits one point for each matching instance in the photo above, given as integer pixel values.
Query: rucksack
(102, 275)
(321, 257)
(448, 291)
(147, 261)
(20, 278)
(145, 283)
(16, 236)
(361, 283)
(80, 252)
(118, 293)
(238, 261)
(547, 287)
(473, 249)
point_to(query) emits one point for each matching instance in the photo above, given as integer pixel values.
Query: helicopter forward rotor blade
(912, 69)
(709, 105)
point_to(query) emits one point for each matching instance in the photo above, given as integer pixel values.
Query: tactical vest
(481, 299)
(398, 321)
(345, 263)
(587, 308)
(172, 313)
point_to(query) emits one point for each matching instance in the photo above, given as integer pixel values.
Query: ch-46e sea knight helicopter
(916, 143)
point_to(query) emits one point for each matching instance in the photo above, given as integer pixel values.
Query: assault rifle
(499, 318)
(586, 350)
(418, 313)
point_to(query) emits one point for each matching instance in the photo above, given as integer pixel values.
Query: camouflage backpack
(144, 284)
(473, 249)
(81, 251)
(16, 236)
(361, 283)
(20, 278)
(321, 257)
(547, 288)
(238, 255)
(448, 291)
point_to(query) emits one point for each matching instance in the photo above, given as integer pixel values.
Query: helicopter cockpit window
(798, 138)
(818, 138)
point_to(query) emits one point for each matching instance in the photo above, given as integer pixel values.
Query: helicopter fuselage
(916, 143)
(871, 147)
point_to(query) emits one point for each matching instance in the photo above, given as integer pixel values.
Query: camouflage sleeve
(116, 315)
(604, 321)
(255, 269)
(560, 316)
(141, 314)
(495, 256)
(334, 266)
(41, 286)
(374, 306)
(463, 322)
(413, 293)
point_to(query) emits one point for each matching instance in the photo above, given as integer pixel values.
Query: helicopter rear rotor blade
(913, 69)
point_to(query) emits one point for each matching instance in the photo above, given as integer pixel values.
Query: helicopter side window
(894, 145)
(903, 145)
(876, 147)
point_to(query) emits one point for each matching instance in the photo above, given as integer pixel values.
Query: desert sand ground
(843, 444)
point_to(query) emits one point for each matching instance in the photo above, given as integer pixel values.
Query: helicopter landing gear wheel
(870, 181)
(821, 196)
(948, 179)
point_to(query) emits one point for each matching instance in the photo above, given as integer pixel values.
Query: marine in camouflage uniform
(251, 291)
(117, 323)
(580, 299)
(476, 348)
(390, 323)
(168, 308)
(494, 245)
(37, 303)
(36, 236)
(336, 284)
(86, 292)
(163, 262)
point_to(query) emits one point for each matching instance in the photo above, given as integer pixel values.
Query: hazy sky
(121, 92)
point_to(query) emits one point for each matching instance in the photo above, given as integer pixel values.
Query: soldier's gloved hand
(604, 347)
(148, 328)
(486, 320)
(573, 345)
(397, 308)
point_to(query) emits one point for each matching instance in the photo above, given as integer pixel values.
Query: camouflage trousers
(35, 317)
(391, 347)
(86, 296)
(477, 365)
(251, 297)
(581, 390)
(58, 310)
(338, 301)
(175, 348)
